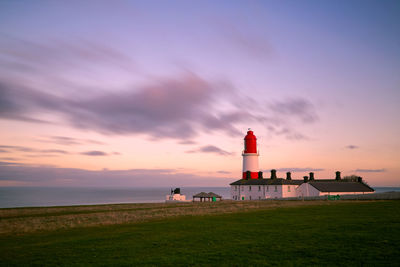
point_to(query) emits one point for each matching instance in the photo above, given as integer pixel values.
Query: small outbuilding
(203, 196)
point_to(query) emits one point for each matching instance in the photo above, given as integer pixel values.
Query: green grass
(347, 234)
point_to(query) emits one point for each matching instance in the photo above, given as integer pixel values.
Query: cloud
(9, 159)
(211, 149)
(224, 172)
(352, 147)
(57, 151)
(296, 107)
(34, 150)
(68, 141)
(7, 163)
(3, 151)
(19, 148)
(94, 153)
(35, 175)
(179, 107)
(30, 57)
(170, 108)
(290, 134)
(187, 142)
(370, 170)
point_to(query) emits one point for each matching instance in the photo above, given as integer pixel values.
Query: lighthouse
(250, 156)
(253, 186)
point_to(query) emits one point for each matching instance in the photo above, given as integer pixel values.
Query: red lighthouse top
(250, 142)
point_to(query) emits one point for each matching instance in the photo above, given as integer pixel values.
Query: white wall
(255, 192)
(273, 191)
(268, 192)
(289, 190)
(307, 190)
(234, 193)
(250, 162)
(178, 197)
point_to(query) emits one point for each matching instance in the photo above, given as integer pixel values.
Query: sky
(161, 93)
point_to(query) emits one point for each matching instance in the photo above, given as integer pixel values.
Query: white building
(175, 196)
(251, 189)
(253, 186)
(337, 186)
(275, 188)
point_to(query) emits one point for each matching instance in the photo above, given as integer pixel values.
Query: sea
(11, 197)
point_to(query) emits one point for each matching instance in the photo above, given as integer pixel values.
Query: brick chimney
(311, 176)
(338, 175)
(273, 174)
(288, 176)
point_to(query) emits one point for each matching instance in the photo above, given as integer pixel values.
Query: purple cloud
(94, 153)
(296, 107)
(34, 150)
(352, 147)
(370, 170)
(41, 58)
(171, 107)
(288, 133)
(58, 151)
(211, 149)
(10, 159)
(224, 172)
(187, 142)
(68, 141)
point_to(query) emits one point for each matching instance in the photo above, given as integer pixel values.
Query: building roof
(202, 194)
(322, 185)
(340, 186)
(277, 181)
(210, 194)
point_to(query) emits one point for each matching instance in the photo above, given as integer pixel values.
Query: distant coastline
(11, 197)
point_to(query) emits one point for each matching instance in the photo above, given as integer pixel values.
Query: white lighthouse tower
(250, 156)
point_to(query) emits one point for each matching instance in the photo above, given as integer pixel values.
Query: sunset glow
(161, 93)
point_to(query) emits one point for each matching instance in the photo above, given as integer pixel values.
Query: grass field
(288, 233)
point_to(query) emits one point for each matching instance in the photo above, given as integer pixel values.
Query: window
(288, 188)
(249, 187)
(259, 198)
(267, 188)
(276, 188)
(259, 188)
(233, 197)
(250, 197)
(235, 187)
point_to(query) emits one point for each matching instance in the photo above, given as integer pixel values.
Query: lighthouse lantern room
(250, 156)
